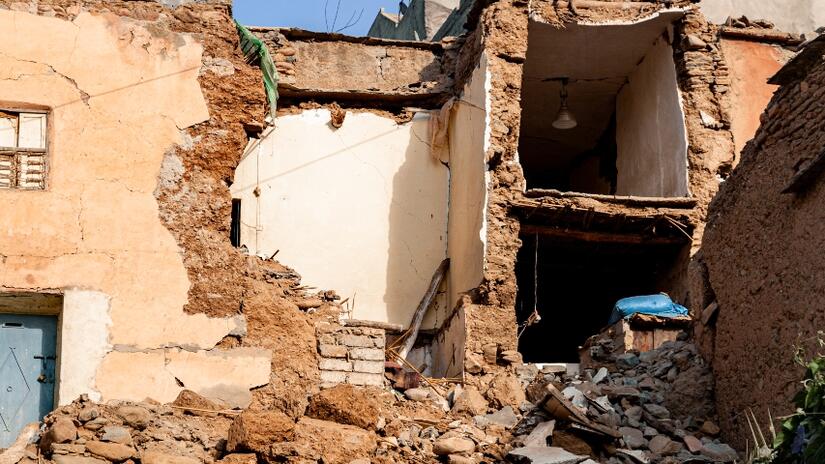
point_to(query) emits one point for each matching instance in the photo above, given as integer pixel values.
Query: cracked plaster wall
(361, 209)
(119, 95)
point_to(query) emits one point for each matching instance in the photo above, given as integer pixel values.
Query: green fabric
(254, 49)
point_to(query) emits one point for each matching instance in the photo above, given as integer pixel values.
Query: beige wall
(361, 210)
(797, 16)
(118, 96)
(650, 132)
(469, 127)
(469, 139)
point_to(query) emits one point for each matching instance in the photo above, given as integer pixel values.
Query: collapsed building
(427, 201)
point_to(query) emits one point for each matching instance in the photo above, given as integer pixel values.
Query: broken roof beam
(594, 4)
(761, 35)
(666, 202)
(304, 35)
(376, 99)
(604, 237)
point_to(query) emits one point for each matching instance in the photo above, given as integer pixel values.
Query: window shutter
(7, 174)
(8, 130)
(31, 170)
(32, 131)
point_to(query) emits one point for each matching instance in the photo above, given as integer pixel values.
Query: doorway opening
(28, 360)
(573, 282)
(601, 109)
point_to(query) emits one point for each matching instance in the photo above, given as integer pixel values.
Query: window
(22, 150)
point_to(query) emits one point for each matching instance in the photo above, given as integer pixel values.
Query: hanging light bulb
(565, 118)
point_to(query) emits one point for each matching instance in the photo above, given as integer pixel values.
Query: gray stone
(540, 434)
(135, 416)
(430, 433)
(116, 434)
(114, 452)
(634, 414)
(575, 396)
(657, 411)
(67, 459)
(453, 445)
(648, 357)
(663, 446)
(650, 432)
(544, 455)
(511, 357)
(720, 452)
(417, 394)
(96, 424)
(61, 431)
(627, 361)
(600, 375)
(87, 414)
(504, 417)
(636, 455)
(633, 437)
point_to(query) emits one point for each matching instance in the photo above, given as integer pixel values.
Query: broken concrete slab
(543, 455)
(539, 436)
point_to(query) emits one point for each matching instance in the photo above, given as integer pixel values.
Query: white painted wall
(361, 209)
(651, 133)
(797, 16)
(84, 342)
(469, 133)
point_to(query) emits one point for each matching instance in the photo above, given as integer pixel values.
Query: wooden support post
(426, 302)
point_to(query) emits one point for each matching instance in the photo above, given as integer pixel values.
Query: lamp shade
(565, 119)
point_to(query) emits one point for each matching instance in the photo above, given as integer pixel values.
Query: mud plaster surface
(703, 81)
(765, 259)
(194, 201)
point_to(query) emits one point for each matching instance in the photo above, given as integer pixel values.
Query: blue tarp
(655, 305)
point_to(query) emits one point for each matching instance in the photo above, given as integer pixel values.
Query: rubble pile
(621, 408)
(631, 407)
(190, 430)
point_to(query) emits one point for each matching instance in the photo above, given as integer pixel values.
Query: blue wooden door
(27, 370)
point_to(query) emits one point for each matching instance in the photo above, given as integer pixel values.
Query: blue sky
(309, 14)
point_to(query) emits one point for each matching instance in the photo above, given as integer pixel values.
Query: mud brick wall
(353, 355)
(764, 254)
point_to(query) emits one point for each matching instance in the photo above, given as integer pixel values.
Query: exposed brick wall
(353, 355)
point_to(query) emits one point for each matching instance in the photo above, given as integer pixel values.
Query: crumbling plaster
(703, 81)
(116, 108)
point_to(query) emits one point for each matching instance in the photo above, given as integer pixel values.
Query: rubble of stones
(659, 402)
(121, 432)
(623, 408)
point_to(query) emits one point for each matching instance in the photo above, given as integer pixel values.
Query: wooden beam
(425, 303)
(761, 35)
(389, 328)
(668, 202)
(603, 237)
(592, 4)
